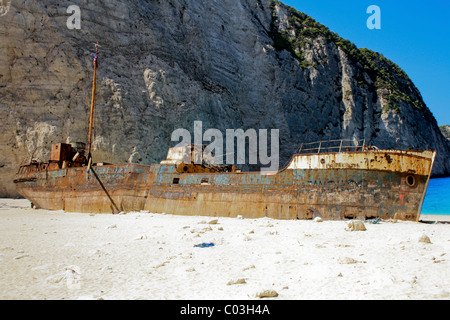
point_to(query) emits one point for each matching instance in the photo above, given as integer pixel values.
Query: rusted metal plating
(334, 185)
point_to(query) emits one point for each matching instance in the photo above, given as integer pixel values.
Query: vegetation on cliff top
(384, 73)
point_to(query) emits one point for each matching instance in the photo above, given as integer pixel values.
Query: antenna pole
(91, 123)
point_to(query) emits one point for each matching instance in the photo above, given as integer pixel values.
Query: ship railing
(342, 145)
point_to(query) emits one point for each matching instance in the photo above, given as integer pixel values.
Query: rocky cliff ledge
(445, 131)
(164, 64)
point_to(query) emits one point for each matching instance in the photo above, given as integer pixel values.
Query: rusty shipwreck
(336, 180)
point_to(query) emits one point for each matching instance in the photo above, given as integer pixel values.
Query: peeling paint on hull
(381, 183)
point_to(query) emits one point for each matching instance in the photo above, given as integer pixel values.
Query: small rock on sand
(267, 294)
(236, 281)
(424, 238)
(347, 260)
(356, 225)
(21, 256)
(70, 274)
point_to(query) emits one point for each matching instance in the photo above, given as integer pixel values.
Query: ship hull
(386, 184)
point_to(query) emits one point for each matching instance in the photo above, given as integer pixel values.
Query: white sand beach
(58, 255)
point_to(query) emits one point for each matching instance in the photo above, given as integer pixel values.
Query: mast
(91, 123)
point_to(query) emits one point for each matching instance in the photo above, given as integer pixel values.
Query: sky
(414, 34)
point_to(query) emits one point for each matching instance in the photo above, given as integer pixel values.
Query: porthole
(411, 181)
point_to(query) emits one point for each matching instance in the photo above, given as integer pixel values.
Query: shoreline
(445, 218)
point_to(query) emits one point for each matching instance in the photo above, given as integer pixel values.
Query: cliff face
(165, 64)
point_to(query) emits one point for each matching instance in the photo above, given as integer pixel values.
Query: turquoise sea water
(437, 200)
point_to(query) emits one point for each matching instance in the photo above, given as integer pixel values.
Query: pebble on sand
(356, 225)
(267, 294)
(424, 238)
(236, 281)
